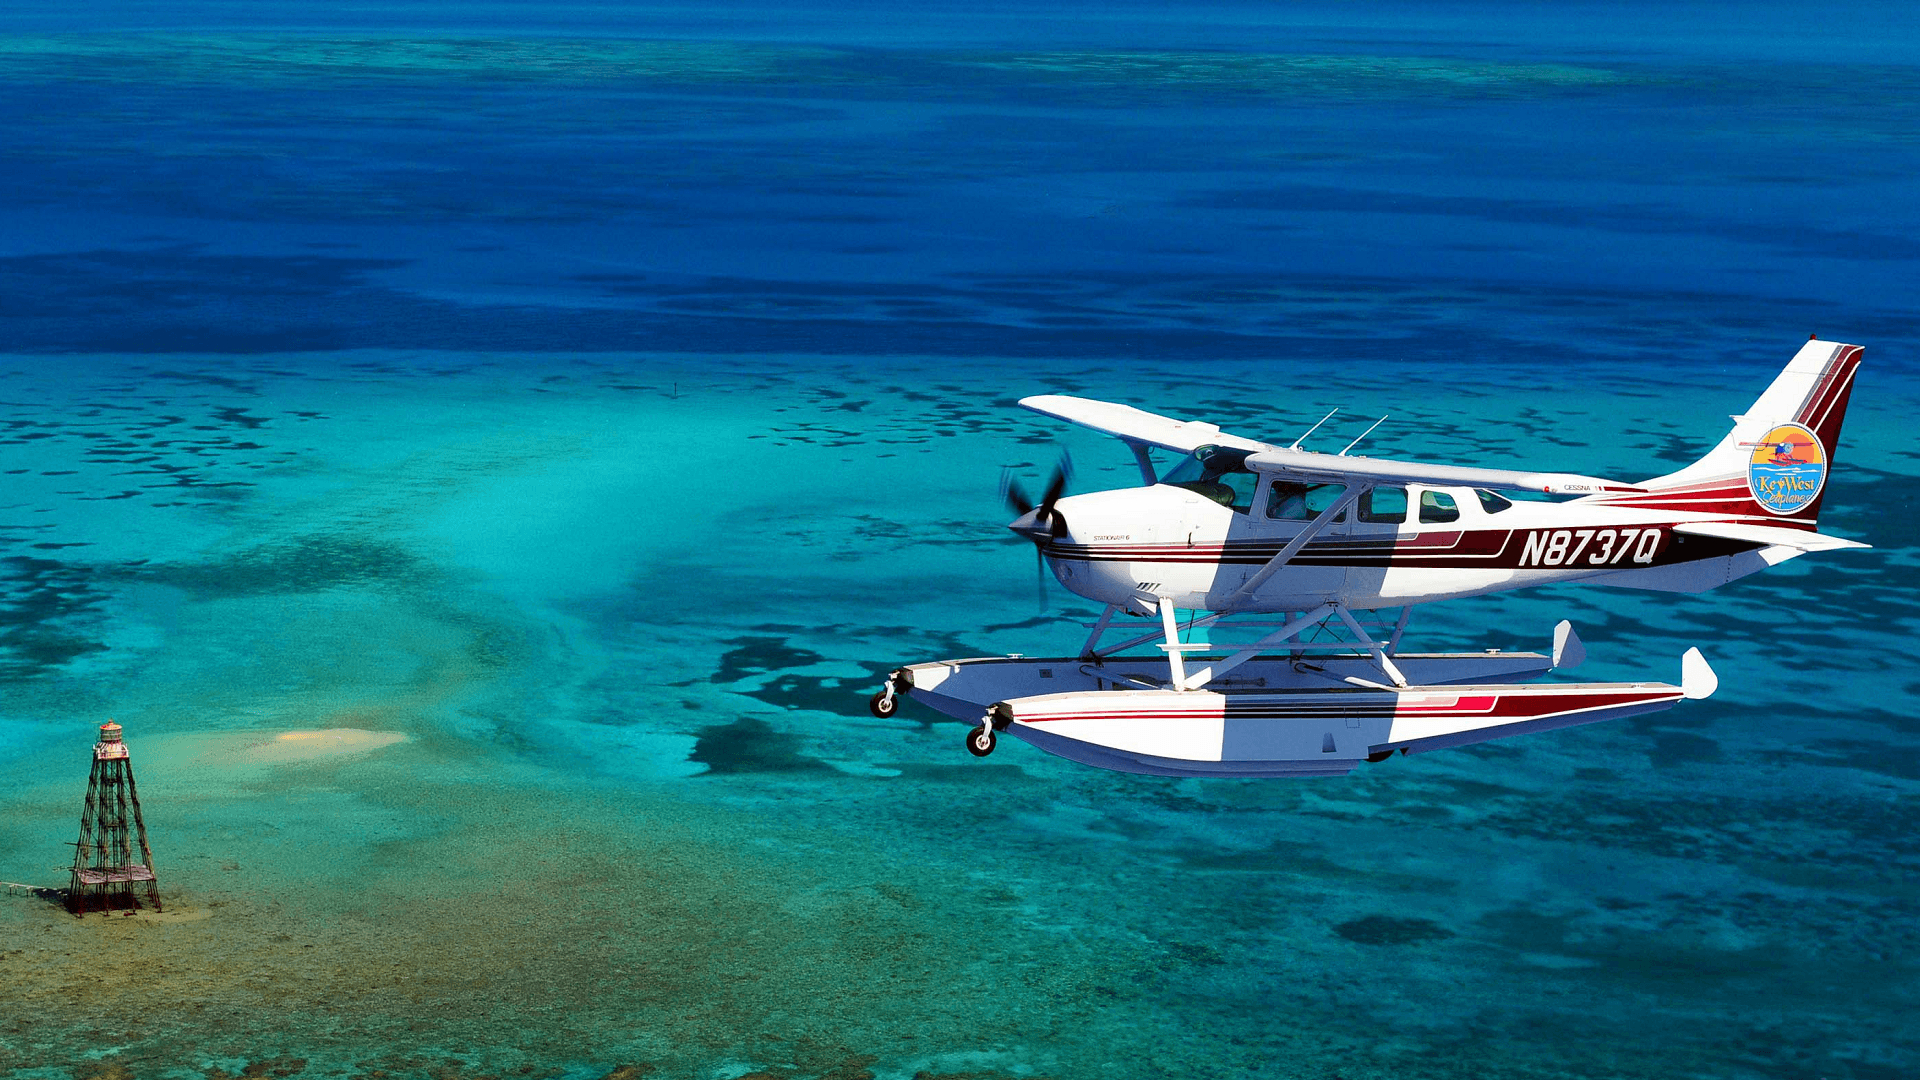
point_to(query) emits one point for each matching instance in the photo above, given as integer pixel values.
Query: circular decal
(1787, 470)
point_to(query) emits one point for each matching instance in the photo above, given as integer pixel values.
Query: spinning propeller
(1041, 523)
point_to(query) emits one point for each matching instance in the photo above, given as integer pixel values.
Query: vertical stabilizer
(1773, 466)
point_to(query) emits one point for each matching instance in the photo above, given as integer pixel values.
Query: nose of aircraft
(1040, 524)
(1082, 519)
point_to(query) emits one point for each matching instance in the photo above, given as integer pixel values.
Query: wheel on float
(980, 741)
(883, 705)
(1379, 756)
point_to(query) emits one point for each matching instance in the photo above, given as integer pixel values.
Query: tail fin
(1772, 467)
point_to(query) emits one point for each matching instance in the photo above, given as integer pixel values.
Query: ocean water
(594, 401)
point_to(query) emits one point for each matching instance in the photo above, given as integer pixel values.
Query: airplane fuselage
(1132, 546)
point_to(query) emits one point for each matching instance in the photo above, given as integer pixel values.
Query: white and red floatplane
(1289, 565)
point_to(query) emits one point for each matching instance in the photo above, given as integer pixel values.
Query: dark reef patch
(1191, 954)
(231, 415)
(40, 600)
(826, 693)
(750, 746)
(305, 565)
(758, 655)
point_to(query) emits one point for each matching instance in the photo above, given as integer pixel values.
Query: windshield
(1218, 472)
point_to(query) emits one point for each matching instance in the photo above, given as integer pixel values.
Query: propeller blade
(1015, 495)
(1044, 517)
(1055, 489)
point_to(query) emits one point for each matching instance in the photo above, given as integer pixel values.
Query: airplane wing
(1338, 468)
(1141, 428)
(1799, 539)
(1136, 426)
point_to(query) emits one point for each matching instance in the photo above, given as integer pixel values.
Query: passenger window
(1437, 507)
(1490, 502)
(1384, 505)
(1287, 501)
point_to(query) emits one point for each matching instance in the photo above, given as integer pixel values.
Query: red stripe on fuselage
(1480, 550)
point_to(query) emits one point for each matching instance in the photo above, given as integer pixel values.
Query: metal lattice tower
(108, 871)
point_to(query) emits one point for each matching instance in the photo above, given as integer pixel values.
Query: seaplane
(1297, 570)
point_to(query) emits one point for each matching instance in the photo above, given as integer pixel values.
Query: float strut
(1378, 650)
(1176, 662)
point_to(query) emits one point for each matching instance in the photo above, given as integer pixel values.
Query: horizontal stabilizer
(1799, 539)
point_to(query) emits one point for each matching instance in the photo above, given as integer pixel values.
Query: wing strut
(1286, 554)
(1144, 459)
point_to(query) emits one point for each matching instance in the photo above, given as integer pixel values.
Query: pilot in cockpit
(1219, 473)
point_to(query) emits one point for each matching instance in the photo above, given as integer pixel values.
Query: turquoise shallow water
(598, 411)
(457, 555)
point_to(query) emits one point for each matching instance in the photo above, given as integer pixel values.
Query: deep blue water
(601, 396)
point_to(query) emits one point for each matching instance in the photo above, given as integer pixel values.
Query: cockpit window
(1288, 501)
(1490, 502)
(1218, 472)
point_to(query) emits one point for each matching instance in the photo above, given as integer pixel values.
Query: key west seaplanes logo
(1787, 470)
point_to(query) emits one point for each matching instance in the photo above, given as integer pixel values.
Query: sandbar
(260, 748)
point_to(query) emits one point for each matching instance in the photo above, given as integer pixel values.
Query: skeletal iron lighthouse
(109, 872)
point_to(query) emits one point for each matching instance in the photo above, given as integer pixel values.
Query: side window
(1288, 501)
(1490, 502)
(1240, 487)
(1436, 507)
(1321, 496)
(1384, 505)
(1233, 490)
(1218, 473)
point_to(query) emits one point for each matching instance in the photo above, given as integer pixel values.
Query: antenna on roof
(1311, 430)
(1363, 435)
